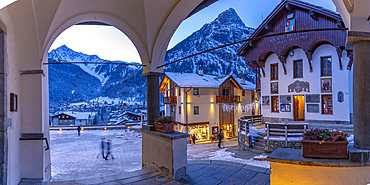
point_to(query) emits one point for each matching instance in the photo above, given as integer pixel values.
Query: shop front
(229, 130)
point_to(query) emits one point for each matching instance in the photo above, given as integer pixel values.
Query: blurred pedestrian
(109, 146)
(102, 143)
(194, 138)
(219, 137)
(79, 130)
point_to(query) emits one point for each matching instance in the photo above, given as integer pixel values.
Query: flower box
(164, 127)
(324, 149)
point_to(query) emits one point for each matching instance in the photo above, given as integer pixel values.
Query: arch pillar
(360, 41)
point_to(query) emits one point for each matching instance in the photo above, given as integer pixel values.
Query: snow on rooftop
(204, 81)
(247, 84)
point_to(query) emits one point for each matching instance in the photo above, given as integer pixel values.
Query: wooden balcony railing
(227, 99)
(170, 100)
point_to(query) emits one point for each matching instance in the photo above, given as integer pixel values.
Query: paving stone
(139, 178)
(227, 163)
(199, 161)
(255, 168)
(209, 181)
(259, 178)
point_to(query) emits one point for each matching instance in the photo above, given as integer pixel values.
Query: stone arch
(105, 18)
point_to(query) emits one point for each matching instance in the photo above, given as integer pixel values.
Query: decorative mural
(285, 99)
(340, 97)
(299, 86)
(313, 108)
(274, 88)
(312, 98)
(265, 100)
(326, 85)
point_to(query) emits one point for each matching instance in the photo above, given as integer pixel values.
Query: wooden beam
(309, 57)
(262, 66)
(339, 53)
(283, 62)
(350, 62)
(313, 14)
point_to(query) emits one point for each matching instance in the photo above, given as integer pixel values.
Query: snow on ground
(77, 157)
(227, 156)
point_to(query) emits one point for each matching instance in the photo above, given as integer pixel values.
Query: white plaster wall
(340, 81)
(208, 111)
(14, 86)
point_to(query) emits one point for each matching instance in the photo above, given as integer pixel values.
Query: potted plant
(322, 143)
(164, 124)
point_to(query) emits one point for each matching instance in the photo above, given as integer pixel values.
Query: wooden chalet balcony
(227, 99)
(170, 100)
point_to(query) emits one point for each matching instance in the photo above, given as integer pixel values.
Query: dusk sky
(111, 44)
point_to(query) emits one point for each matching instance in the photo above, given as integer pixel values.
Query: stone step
(261, 148)
(259, 144)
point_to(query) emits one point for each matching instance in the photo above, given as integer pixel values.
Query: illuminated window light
(60, 129)
(105, 128)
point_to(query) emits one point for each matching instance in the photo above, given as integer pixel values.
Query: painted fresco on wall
(285, 99)
(312, 98)
(265, 100)
(326, 85)
(313, 108)
(274, 88)
(299, 86)
(340, 97)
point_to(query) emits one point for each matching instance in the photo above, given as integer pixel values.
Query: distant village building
(204, 104)
(303, 76)
(72, 118)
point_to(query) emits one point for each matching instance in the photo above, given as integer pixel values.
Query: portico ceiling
(149, 24)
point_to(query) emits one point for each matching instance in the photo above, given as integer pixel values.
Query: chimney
(200, 72)
(242, 81)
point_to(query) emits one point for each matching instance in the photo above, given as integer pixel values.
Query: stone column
(152, 96)
(4, 120)
(361, 94)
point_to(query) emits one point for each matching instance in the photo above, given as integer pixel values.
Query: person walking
(194, 138)
(109, 143)
(219, 137)
(79, 130)
(103, 147)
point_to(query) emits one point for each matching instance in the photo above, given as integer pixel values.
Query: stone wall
(273, 145)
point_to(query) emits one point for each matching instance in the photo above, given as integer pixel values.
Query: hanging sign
(290, 25)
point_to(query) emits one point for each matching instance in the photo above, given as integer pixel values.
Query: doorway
(298, 107)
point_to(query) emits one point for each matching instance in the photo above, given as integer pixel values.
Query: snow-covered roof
(195, 80)
(186, 80)
(247, 85)
(79, 115)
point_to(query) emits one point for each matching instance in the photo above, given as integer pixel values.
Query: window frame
(330, 112)
(300, 72)
(331, 66)
(274, 71)
(196, 108)
(275, 101)
(196, 91)
(243, 92)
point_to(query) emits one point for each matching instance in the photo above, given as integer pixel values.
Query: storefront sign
(214, 130)
(289, 37)
(312, 98)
